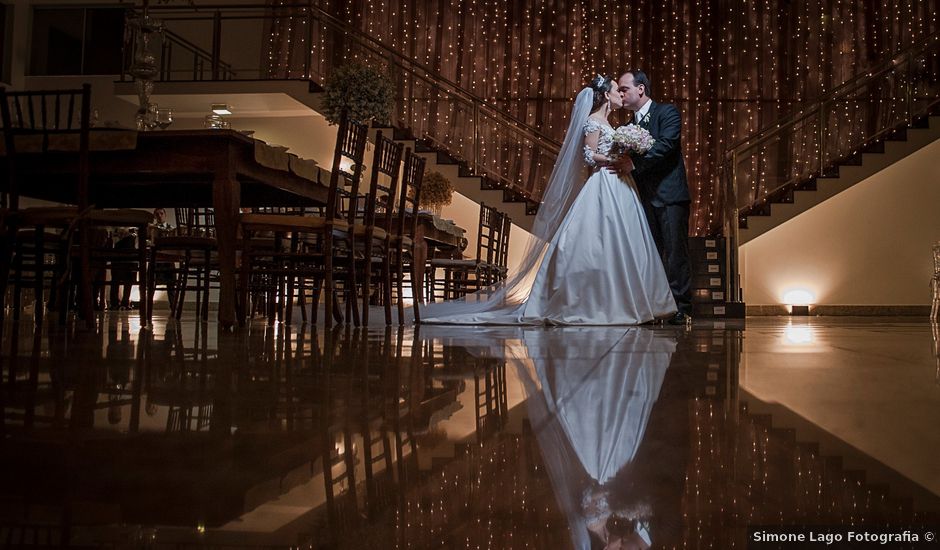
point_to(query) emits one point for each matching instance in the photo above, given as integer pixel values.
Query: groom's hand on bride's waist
(622, 166)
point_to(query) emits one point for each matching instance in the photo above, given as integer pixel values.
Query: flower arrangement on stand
(436, 192)
(365, 91)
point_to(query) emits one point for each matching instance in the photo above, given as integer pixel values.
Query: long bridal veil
(568, 177)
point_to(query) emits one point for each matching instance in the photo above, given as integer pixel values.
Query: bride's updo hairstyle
(601, 85)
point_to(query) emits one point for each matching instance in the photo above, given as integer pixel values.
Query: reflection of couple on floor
(613, 431)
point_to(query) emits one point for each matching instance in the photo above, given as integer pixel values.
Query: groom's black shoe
(680, 319)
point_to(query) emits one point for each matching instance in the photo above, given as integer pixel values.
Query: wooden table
(177, 168)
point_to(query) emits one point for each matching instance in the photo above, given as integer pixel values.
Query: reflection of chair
(339, 473)
(489, 384)
(935, 282)
(461, 277)
(379, 415)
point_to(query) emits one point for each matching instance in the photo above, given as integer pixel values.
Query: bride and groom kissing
(609, 244)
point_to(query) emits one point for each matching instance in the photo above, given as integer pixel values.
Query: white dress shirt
(644, 110)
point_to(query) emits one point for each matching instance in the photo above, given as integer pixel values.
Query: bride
(591, 259)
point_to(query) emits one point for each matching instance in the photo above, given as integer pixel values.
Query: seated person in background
(160, 227)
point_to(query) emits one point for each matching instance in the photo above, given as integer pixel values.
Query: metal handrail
(852, 84)
(196, 51)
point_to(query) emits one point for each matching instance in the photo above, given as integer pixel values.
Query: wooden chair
(406, 228)
(190, 253)
(501, 270)
(35, 121)
(271, 286)
(460, 277)
(375, 236)
(321, 247)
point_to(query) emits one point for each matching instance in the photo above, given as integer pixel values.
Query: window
(74, 41)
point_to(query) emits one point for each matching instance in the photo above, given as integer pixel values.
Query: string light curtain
(732, 67)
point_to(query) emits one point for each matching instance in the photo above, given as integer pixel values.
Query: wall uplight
(798, 300)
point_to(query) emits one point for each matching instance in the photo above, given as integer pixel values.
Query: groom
(664, 190)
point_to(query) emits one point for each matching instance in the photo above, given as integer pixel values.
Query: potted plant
(365, 91)
(436, 192)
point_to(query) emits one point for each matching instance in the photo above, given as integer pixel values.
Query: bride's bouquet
(631, 139)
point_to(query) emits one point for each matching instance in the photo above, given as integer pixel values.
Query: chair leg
(244, 281)
(328, 278)
(142, 276)
(6, 253)
(151, 283)
(387, 285)
(207, 282)
(39, 274)
(17, 279)
(367, 280)
(399, 285)
(302, 298)
(86, 306)
(183, 282)
(353, 287)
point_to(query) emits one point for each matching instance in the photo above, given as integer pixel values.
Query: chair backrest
(489, 234)
(195, 222)
(412, 179)
(42, 115)
(503, 256)
(350, 145)
(386, 165)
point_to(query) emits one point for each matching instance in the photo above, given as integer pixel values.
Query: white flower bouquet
(632, 139)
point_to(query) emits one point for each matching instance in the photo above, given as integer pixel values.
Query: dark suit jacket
(660, 173)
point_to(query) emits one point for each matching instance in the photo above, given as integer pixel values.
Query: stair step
(422, 146)
(444, 158)
(402, 134)
(724, 310)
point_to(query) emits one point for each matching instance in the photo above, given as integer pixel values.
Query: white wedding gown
(602, 266)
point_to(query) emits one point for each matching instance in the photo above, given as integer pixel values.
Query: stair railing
(490, 141)
(815, 140)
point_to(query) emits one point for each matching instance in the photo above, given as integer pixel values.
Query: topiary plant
(436, 191)
(364, 90)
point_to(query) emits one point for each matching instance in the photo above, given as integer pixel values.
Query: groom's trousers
(669, 225)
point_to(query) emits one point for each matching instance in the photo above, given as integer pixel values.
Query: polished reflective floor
(181, 436)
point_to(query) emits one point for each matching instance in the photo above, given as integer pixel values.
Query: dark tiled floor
(463, 437)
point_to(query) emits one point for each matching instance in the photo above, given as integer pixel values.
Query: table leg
(418, 268)
(226, 197)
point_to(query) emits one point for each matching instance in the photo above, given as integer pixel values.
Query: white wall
(869, 245)
(466, 214)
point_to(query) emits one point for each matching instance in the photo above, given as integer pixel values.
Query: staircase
(874, 119)
(794, 199)
(848, 135)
